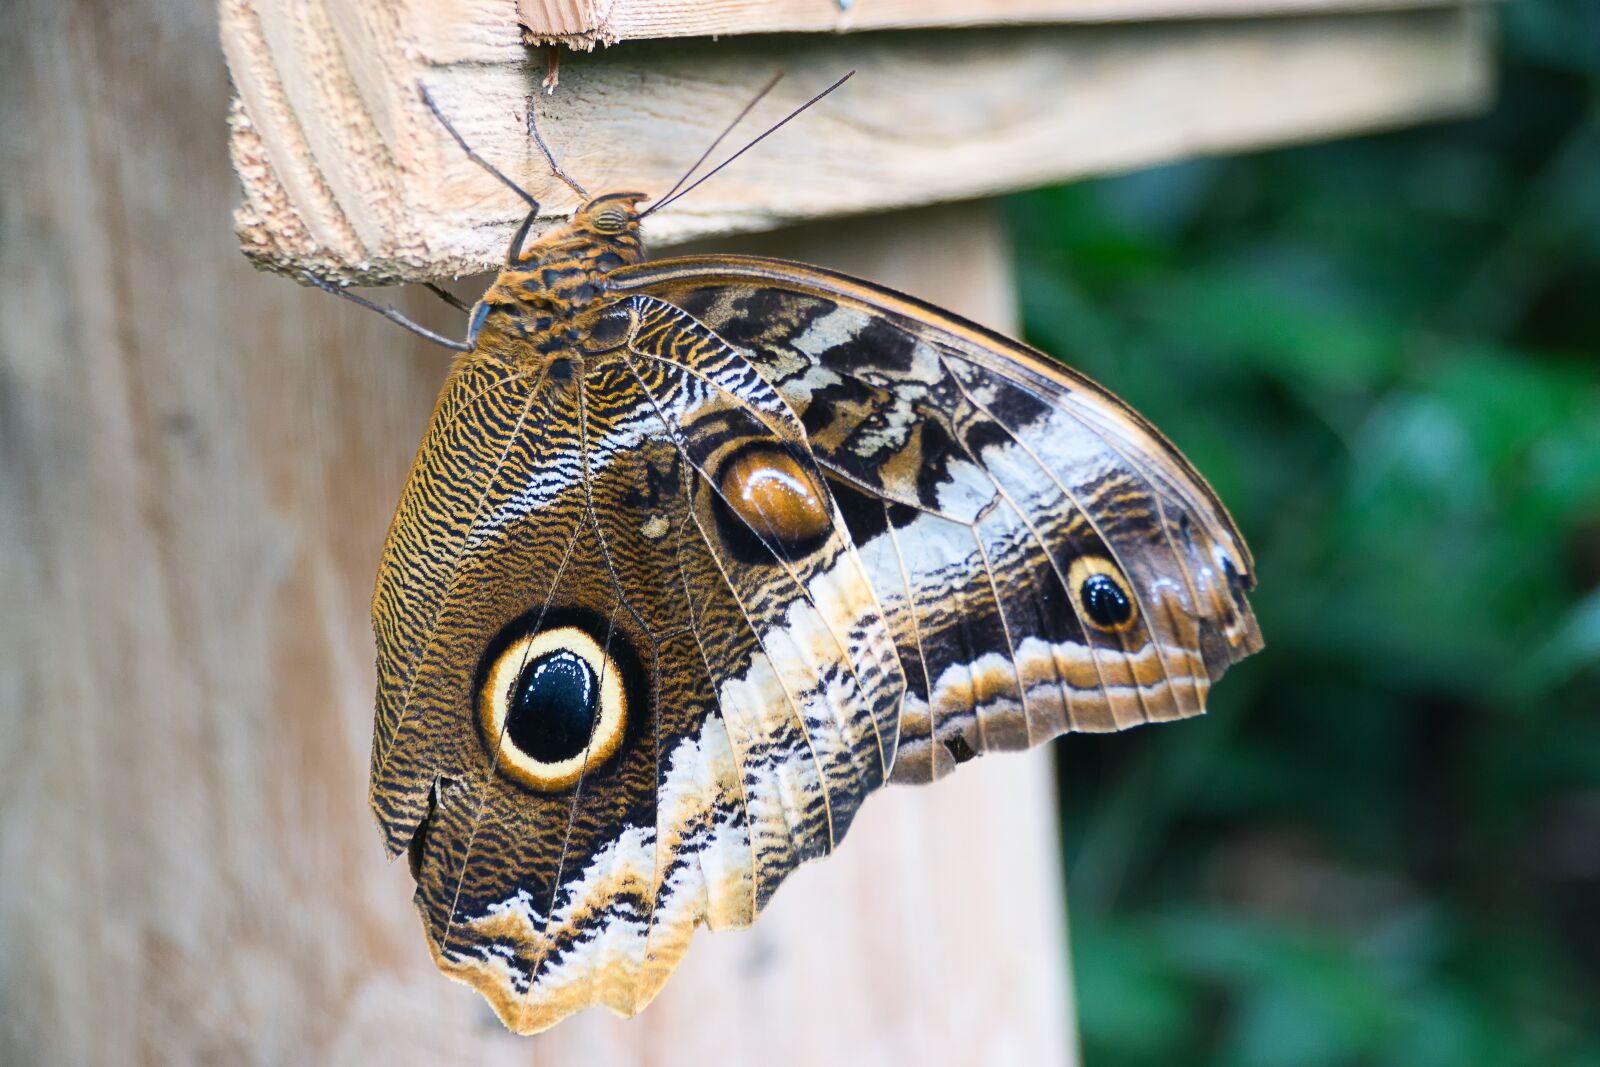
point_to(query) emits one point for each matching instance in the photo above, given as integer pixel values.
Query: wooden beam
(586, 23)
(345, 173)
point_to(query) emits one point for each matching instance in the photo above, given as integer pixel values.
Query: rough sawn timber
(586, 23)
(345, 172)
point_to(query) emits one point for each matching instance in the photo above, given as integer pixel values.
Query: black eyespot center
(1105, 601)
(553, 706)
(553, 695)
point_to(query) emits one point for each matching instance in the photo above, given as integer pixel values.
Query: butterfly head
(601, 235)
(548, 284)
(611, 219)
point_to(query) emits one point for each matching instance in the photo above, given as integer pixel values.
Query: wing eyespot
(1101, 594)
(554, 705)
(766, 492)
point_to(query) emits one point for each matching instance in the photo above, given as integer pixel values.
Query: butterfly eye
(1101, 594)
(554, 704)
(776, 498)
(611, 220)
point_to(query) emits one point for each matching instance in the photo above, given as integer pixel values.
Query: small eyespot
(1101, 594)
(776, 498)
(555, 706)
(611, 220)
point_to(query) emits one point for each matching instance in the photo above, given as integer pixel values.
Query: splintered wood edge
(346, 174)
(583, 24)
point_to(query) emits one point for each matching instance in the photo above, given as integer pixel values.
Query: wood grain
(197, 466)
(345, 173)
(586, 23)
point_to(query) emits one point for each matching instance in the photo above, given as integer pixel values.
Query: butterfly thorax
(540, 302)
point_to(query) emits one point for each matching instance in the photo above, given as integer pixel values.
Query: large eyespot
(776, 499)
(556, 706)
(1101, 594)
(613, 218)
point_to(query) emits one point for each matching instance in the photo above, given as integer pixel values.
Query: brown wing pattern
(1046, 560)
(748, 687)
(427, 543)
(754, 540)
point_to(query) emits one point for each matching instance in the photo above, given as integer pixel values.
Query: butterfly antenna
(555, 168)
(774, 128)
(427, 98)
(712, 147)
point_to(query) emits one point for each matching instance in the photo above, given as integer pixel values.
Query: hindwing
(1046, 559)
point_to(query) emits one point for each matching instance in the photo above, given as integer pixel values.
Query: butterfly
(696, 554)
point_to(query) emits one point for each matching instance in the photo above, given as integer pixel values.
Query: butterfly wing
(567, 530)
(1046, 559)
(958, 524)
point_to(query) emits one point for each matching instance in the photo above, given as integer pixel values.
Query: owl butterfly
(696, 554)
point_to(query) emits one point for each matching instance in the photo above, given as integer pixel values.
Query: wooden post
(199, 464)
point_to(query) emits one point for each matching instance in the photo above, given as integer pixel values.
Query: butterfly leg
(527, 197)
(533, 131)
(387, 312)
(513, 250)
(447, 296)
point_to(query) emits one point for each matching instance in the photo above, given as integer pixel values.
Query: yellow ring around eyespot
(1085, 567)
(494, 702)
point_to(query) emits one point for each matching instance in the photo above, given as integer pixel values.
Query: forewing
(761, 685)
(985, 489)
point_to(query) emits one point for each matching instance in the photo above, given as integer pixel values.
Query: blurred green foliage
(1383, 845)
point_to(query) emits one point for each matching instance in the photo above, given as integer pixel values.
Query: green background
(1383, 845)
